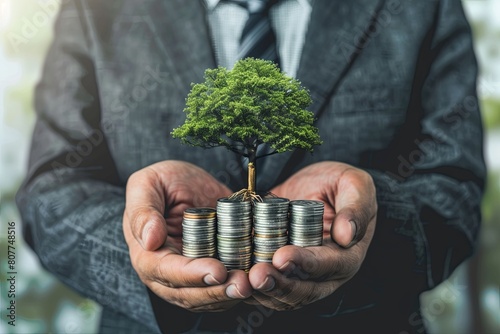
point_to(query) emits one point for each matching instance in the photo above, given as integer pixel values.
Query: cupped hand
(302, 275)
(166, 189)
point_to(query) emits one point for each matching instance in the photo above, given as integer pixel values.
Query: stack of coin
(234, 233)
(306, 223)
(270, 223)
(198, 232)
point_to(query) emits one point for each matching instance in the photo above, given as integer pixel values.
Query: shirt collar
(211, 4)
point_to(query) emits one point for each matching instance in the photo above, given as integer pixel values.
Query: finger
(203, 298)
(356, 208)
(177, 271)
(252, 301)
(317, 263)
(145, 205)
(345, 230)
(155, 270)
(277, 291)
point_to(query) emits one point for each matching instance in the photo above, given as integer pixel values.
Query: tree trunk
(251, 177)
(251, 170)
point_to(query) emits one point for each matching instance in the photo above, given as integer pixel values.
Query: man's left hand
(302, 275)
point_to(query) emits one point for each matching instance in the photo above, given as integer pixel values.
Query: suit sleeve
(432, 195)
(71, 202)
(430, 182)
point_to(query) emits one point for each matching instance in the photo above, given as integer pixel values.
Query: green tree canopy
(252, 104)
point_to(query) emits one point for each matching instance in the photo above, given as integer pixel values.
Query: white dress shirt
(289, 20)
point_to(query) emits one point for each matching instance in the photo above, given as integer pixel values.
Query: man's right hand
(155, 242)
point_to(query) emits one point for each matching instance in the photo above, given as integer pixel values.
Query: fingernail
(145, 232)
(268, 284)
(233, 292)
(210, 280)
(288, 267)
(354, 229)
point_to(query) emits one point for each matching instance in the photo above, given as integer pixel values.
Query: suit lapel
(182, 34)
(183, 38)
(338, 31)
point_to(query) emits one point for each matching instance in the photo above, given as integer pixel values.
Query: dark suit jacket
(393, 84)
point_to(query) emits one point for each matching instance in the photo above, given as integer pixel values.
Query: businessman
(401, 169)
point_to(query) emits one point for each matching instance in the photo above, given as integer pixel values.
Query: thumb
(349, 226)
(144, 206)
(149, 228)
(356, 207)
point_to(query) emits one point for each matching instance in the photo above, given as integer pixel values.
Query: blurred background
(469, 302)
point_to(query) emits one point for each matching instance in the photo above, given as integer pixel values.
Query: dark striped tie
(258, 39)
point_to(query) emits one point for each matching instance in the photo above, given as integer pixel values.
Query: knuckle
(187, 305)
(365, 178)
(143, 176)
(182, 300)
(132, 178)
(134, 259)
(160, 272)
(141, 272)
(143, 278)
(216, 295)
(296, 296)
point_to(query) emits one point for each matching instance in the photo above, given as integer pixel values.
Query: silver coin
(234, 233)
(198, 232)
(306, 223)
(270, 221)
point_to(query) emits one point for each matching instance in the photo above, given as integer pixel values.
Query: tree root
(246, 195)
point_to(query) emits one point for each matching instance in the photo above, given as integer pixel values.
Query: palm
(317, 182)
(349, 223)
(191, 188)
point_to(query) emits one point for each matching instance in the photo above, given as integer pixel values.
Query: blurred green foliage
(491, 112)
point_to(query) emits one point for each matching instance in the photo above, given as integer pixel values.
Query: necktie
(257, 39)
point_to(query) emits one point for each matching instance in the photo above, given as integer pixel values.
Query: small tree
(241, 109)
